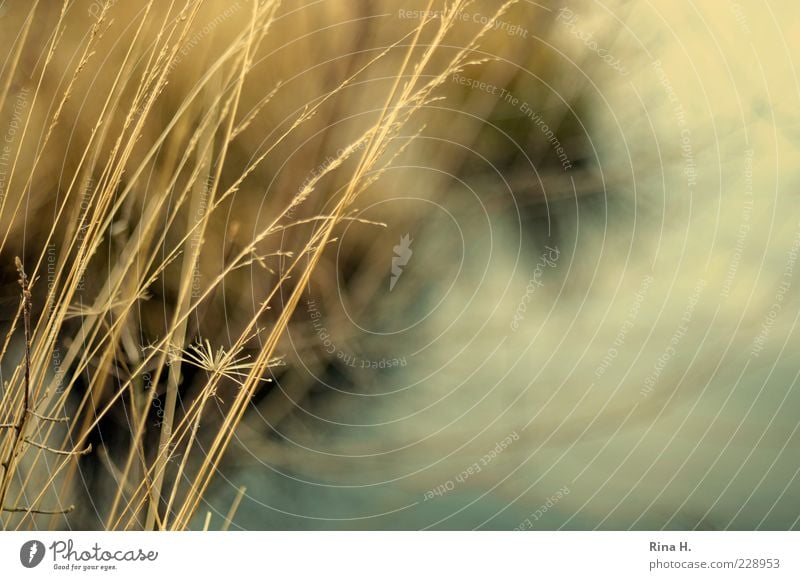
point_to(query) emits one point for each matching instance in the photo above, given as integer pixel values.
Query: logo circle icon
(31, 553)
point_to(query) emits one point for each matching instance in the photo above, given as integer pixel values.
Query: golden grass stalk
(47, 421)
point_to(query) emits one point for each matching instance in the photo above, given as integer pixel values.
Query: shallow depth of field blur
(399, 265)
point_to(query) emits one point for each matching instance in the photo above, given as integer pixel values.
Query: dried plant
(186, 155)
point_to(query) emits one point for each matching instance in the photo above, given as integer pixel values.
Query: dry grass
(109, 248)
